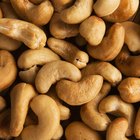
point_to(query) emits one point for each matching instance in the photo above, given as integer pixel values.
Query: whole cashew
(62, 30)
(78, 12)
(31, 35)
(105, 69)
(79, 131)
(2, 103)
(8, 69)
(111, 45)
(90, 114)
(48, 117)
(105, 7)
(129, 89)
(125, 11)
(58, 134)
(117, 129)
(89, 27)
(113, 104)
(26, 10)
(69, 52)
(132, 35)
(78, 93)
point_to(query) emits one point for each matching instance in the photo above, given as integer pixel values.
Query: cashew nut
(105, 69)
(110, 46)
(90, 114)
(2, 103)
(69, 52)
(58, 134)
(113, 104)
(93, 30)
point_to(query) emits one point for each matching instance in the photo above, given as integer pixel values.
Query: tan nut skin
(8, 69)
(114, 105)
(31, 35)
(117, 129)
(20, 95)
(78, 93)
(79, 131)
(74, 14)
(93, 30)
(58, 134)
(48, 121)
(69, 52)
(54, 71)
(129, 89)
(60, 29)
(105, 69)
(110, 46)
(90, 114)
(125, 11)
(132, 35)
(26, 10)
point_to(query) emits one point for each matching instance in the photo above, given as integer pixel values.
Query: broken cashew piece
(110, 46)
(89, 112)
(69, 52)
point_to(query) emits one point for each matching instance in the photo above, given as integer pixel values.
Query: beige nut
(90, 114)
(78, 93)
(2, 103)
(78, 12)
(93, 30)
(8, 69)
(26, 10)
(105, 69)
(58, 134)
(129, 89)
(48, 119)
(69, 52)
(125, 11)
(114, 105)
(31, 35)
(79, 131)
(110, 46)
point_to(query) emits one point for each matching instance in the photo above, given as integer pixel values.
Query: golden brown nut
(2, 103)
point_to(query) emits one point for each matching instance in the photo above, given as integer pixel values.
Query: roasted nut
(58, 134)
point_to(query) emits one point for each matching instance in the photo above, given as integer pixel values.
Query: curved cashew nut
(113, 104)
(105, 7)
(60, 29)
(129, 89)
(79, 131)
(8, 69)
(78, 12)
(117, 129)
(90, 114)
(132, 35)
(69, 52)
(58, 134)
(31, 35)
(26, 10)
(78, 93)
(2, 103)
(48, 120)
(105, 69)
(125, 11)
(111, 45)
(89, 27)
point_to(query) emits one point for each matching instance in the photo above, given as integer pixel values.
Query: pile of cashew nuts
(69, 69)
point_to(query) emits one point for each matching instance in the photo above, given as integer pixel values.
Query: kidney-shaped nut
(79, 131)
(125, 11)
(129, 89)
(58, 134)
(31, 35)
(78, 12)
(110, 46)
(117, 129)
(8, 69)
(105, 69)
(93, 30)
(90, 114)
(105, 7)
(26, 10)
(132, 35)
(69, 52)
(48, 119)
(2, 103)
(113, 104)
